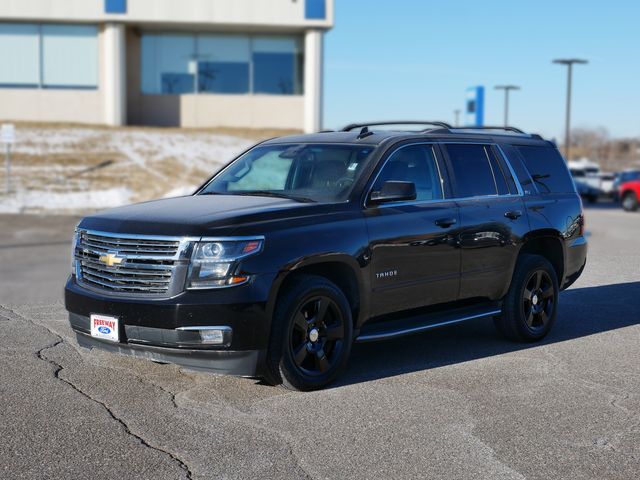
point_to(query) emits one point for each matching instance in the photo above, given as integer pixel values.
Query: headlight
(74, 244)
(213, 262)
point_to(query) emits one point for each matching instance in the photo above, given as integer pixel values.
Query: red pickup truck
(629, 194)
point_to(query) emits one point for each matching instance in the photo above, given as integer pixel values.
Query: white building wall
(114, 61)
(118, 100)
(277, 13)
(56, 105)
(313, 80)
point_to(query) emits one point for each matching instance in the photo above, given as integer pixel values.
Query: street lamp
(567, 132)
(457, 114)
(507, 89)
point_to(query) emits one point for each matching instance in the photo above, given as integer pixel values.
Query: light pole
(457, 114)
(507, 89)
(567, 128)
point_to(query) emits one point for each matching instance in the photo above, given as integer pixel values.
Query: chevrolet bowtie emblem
(111, 259)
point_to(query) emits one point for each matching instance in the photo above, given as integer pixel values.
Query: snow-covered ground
(84, 169)
(24, 201)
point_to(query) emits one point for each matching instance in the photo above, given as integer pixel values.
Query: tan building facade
(192, 63)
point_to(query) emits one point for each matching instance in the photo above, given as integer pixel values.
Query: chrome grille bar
(146, 265)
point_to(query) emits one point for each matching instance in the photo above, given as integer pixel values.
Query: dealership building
(190, 63)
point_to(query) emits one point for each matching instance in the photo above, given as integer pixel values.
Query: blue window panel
(177, 83)
(20, 47)
(223, 77)
(166, 62)
(315, 9)
(69, 56)
(273, 73)
(115, 6)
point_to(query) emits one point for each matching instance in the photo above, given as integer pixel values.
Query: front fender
(329, 260)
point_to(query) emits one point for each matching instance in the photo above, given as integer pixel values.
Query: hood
(193, 215)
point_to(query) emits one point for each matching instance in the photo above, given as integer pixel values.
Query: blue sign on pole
(115, 6)
(474, 109)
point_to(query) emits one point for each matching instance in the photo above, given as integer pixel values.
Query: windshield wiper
(269, 193)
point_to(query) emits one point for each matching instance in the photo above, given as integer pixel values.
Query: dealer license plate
(105, 327)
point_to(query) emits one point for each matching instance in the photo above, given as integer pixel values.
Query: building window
(20, 65)
(115, 6)
(167, 64)
(223, 64)
(274, 66)
(315, 9)
(49, 56)
(69, 56)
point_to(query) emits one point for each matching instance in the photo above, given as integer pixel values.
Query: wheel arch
(547, 243)
(341, 269)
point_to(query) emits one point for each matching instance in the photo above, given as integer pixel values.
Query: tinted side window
(547, 169)
(472, 172)
(498, 174)
(511, 182)
(417, 164)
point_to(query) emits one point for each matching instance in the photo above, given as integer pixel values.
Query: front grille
(127, 264)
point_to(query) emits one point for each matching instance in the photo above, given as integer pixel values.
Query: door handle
(513, 214)
(446, 222)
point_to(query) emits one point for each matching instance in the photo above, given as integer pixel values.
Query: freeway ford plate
(105, 328)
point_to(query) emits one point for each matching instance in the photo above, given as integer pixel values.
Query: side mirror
(393, 191)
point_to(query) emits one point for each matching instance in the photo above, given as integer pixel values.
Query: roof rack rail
(353, 126)
(507, 129)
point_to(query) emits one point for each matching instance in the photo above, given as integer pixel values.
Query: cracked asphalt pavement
(456, 403)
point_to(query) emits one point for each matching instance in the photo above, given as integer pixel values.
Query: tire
(529, 309)
(630, 202)
(311, 335)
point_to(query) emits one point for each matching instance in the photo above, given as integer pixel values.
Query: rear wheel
(311, 335)
(529, 309)
(630, 202)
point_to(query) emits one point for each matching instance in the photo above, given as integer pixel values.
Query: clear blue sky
(414, 59)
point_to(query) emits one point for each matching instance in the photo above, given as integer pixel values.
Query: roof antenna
(364, 133)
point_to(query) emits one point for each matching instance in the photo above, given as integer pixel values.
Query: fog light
(213, 337)
(200, 335)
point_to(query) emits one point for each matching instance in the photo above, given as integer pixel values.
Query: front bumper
(150, 328)
(245, 363)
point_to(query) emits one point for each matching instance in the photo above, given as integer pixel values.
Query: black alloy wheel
(538, 300)
(311, 334)
(317, 335)
(530, 306)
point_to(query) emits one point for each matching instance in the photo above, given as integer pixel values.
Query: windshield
(304, 172)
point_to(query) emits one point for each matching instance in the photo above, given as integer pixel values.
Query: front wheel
(529, 309)
(311, 335)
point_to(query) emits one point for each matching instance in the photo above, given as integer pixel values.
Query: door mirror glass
(394, 191)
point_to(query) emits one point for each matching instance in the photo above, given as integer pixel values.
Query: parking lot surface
(457, 403)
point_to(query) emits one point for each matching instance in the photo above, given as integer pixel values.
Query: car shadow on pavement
(582, 312)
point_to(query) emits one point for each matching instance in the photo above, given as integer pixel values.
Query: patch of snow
(180, 191)
(35, 200)
(171, 159)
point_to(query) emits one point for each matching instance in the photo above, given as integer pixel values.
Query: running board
(408, 326)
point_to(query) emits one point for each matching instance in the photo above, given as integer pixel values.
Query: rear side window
(547, 169)
(472, 172)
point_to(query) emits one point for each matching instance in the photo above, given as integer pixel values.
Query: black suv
(305, 244)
